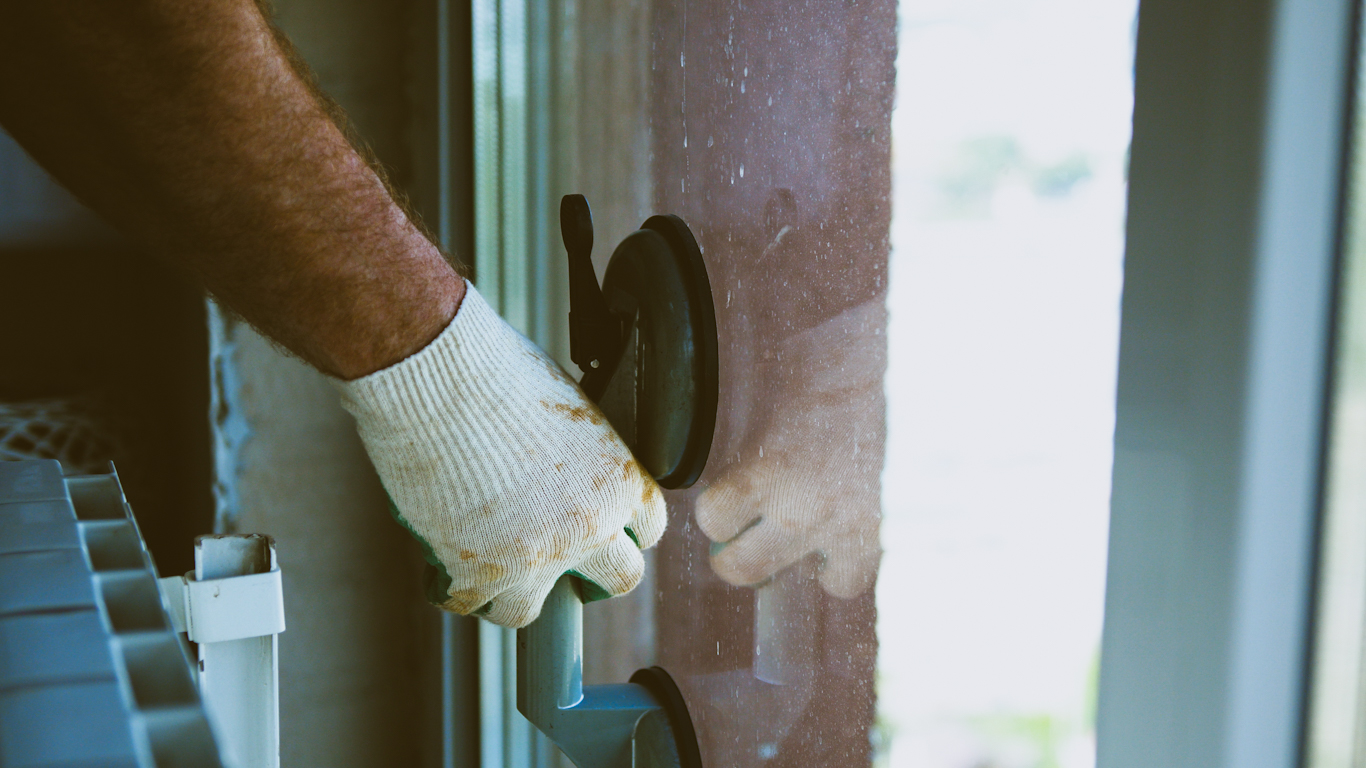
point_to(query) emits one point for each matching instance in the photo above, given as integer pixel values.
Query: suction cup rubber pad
(665, 690)
(657, 277)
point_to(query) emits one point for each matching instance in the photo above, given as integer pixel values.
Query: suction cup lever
(595, 334)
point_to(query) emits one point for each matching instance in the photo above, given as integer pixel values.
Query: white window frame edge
(1234, 216)
(1336, 730)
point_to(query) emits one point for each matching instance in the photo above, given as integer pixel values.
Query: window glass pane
(912, 218)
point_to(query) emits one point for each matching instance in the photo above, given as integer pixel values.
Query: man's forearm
(185, 124)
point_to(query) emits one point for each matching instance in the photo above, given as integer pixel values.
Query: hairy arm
(190, 126)
(187, 124)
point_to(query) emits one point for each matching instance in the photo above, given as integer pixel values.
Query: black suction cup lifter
(652, 367)
(595, 334)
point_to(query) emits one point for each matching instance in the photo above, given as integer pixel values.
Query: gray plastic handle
(596, 726)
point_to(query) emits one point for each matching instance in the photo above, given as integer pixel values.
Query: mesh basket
(68, 430)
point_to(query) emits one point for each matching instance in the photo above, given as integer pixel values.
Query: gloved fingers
(849, 570)
(730, 506)
(652, 516)
(519, 607)
(617, 566)
(759, 553)
(462, 601)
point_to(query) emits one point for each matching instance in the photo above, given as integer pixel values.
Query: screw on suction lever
(595, 334)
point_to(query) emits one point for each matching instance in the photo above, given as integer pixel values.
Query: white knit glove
(504, 471)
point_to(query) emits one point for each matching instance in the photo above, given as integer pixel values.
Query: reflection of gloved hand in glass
(503, 470)
(812, 481)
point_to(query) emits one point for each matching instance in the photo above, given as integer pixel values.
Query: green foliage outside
(971, 178)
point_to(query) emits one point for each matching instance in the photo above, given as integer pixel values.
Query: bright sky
(1004, 331)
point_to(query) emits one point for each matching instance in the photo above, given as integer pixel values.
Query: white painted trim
(1234, 204)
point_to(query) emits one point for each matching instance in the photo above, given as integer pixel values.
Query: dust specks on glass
(772, 636)
(917, 312)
